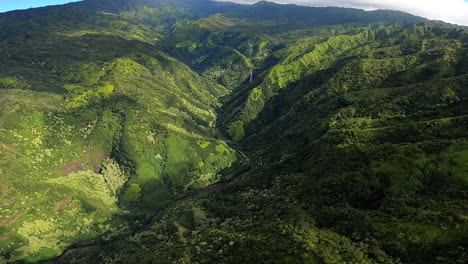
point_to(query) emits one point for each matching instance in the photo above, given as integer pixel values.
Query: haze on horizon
(451, 11)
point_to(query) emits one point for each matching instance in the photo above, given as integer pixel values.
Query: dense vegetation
(356, 125)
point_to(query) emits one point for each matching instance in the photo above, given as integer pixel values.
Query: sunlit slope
(360, 60)
(359, 142)
(98, 132)
(355, 122)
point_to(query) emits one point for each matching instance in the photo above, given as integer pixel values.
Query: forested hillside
(184, 131)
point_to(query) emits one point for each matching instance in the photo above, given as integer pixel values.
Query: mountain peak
(264, 3)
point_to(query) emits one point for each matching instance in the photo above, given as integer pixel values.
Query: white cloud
(452, 11)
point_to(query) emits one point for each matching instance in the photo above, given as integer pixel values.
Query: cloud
(452, 11)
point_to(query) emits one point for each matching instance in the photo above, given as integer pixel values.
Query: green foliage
(256, 94)
(94, 97)
(204, 145)
(132, 193)
(81, 96)
(222, 149)
(236, 131)
(355, 121)
(113, 176)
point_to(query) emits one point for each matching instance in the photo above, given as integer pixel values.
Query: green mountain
(184, 131)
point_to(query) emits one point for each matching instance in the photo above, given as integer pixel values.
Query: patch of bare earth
(73, 166)
(8, 203)
(14, 151)
(5, 192)
(13, 219)
(59, 205)
(84, 163)
(96, 160)
(5, 237)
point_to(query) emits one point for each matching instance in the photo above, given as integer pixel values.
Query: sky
(452, 11)
(8, 5)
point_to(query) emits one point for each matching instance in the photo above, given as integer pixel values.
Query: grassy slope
(99, 130)
(360, 149)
